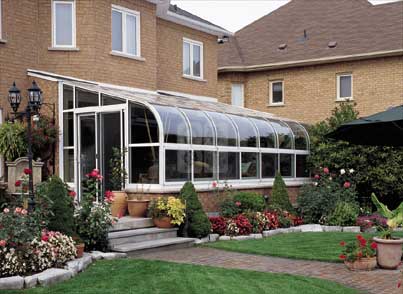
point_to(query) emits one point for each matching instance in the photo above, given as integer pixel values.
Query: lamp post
(33, 106)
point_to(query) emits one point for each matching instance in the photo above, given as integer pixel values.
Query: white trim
(189, 96)
(271, 103)
(191, 44)
(342, 99)
(242, 86)
(1, 20)
(73, 21)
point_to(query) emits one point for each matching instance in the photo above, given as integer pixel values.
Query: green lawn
(140, 276)
(311, 246)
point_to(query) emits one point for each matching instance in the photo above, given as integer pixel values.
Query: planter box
(363, 264)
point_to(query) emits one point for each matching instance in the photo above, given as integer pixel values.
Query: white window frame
(242, 94)
(1, 20)
(271, 103)
(73, 4)
(338, 98)
(191, 43)
(124, 11)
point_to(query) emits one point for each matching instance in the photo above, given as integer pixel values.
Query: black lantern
(35, 97)
(14, 97)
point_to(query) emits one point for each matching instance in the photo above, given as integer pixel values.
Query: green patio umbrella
(380, 129)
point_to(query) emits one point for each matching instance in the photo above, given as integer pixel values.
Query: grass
(140, 276)
(310, 246)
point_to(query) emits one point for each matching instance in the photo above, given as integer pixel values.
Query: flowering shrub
(258, 221)
(218, 225)
(171, 206)
(231, 229)
(272, 221)
(368, 221)
(12, 261)
(357, 249)
(243, 224)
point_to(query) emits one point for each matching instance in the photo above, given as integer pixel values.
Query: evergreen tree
(279, 198)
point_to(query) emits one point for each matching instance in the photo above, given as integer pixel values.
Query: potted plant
(359, 254)
(389, 247)
(117, 179)
(167, 212)
(137, 206)
(80, 246)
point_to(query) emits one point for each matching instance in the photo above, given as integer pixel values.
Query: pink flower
(317, 177)
(6, 210)
(214, 184)
(45, 238)
(3, 243)
(238, 203)
(347, 185)
(72, 194)
(109, 197)
(18, 210)
(17, 183)
(27, 171)
(24, 212)
(325, 170)
(94, 173)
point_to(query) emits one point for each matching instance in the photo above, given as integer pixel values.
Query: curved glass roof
(202, 128)
(246, 130)
(300, 136)
(266, 133)
(174, 124)
(284, 134)
(226, 132)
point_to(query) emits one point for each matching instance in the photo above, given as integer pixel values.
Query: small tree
(279, 198)
(197, 223)
(118, 173)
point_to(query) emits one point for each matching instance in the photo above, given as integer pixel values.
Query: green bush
(344, 214)
(61, 205)
(228, 207)
(197, 223)
(249, 201)
(13, 142)
(279, 198)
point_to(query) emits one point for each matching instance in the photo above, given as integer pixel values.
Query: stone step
(155, 245)
(131, 223)
(140, 235)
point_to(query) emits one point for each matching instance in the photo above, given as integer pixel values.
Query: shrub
(61, 206)
(218, 225)
(197, 223)
(228, 207)
(258, 221)
(170, 207)
(344, 214)
(249, 201)
(12, 140)
(231, 228)
(243, 224)
(279, 198)
(368, 221)
(272, 221)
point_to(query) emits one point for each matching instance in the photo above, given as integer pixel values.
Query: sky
(235, 14)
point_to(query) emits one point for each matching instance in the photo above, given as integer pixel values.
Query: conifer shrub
(279, 198)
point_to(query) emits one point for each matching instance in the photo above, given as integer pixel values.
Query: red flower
(238, 203)
(342, 243)
(399, 284)
(72, 194)
(342, 256)
(94, 173)
(359, 237)
(317, 177)
(363, 242)
(359, 254)
(17, 183)
(347, 185)
(18, 210)
(326, 170)
(27, 171)
(374, 245)
(45, 238)
(109, 196)
(214, 184)
(3, 243)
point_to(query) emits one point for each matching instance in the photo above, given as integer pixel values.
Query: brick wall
(310, 92)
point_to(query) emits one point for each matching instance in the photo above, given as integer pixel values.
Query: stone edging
(265, 234)
(55, 275)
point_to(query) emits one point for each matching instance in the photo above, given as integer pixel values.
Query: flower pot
(163, 222)
(389, 252)
(119, 204)
(363, 264)
(80, 250)
(138, 208)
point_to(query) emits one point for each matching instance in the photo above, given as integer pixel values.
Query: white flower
(351, 171)
(342, 171)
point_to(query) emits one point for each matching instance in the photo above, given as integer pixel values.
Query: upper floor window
(237, 95)
(276, 93)
(344, 87)
(63, 24)
(125, 31)
(192, 59)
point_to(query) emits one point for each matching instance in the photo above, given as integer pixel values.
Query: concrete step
(131, 223)
(140, 235)
(155, 245)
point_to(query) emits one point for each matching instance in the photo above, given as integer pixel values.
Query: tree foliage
(280, 198)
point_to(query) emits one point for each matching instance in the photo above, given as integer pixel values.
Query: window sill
(344, 99)
(276, 105)
(124, 55)
(194, 78)
(64, 49)
(3, 41)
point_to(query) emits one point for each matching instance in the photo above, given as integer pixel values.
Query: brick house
(142, 75)
(306, 57)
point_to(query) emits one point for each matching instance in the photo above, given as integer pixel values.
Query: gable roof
(307, 27)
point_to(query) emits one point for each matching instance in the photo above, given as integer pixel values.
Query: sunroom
(168, 140)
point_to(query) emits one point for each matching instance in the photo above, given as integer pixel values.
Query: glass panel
(345, 86)
(87, 147)
(131, 34)
(68, 129)
(250, 165)
(300, 137)
(247, 131)
(228, 166)
(196, 60)
(67, 97)
(109, 100)
(302, 166)
(186, 58)
(277, 92)
(286, 165)
(144, 165)
(144, 126)
(86, 98)
(269, 165)
(68, 165)
(177, 165)
(284, 134)
(174, 123)
(203, 165)
(237, 95)
(202, 128)
(64, 24)
(266, 132)
(226, 132)
(117, 40)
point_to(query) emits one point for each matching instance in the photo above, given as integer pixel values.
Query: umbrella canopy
(380, 129)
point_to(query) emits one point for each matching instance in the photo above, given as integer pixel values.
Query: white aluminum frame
(191, 44)
(73, 23)
(338, 76)
(271, 103)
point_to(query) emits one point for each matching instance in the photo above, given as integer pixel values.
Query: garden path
(378, 281)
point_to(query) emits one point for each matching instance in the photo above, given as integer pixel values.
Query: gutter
(307, 62)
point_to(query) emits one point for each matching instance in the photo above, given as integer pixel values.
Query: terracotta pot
(363, 264)
(389, 252)
(80, 250)
(119, 204)
(138, 208)
(163, 222)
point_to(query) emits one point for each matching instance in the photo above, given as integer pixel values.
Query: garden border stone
(353, 229)
(12, 283)
(30, 281)
(53, 275)
(332, 228)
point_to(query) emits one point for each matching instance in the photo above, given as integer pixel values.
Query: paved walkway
(378, 281)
